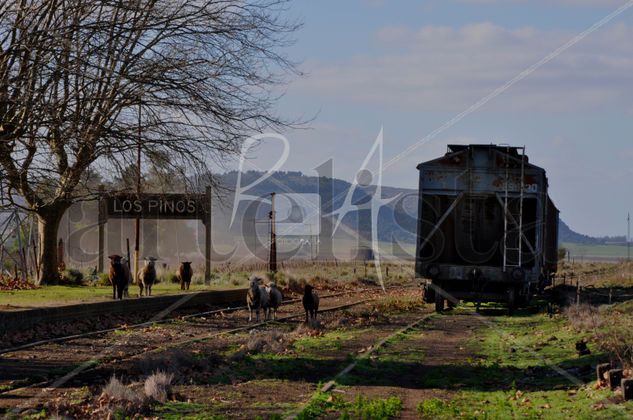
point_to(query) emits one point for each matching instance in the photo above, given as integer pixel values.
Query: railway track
(159, 319)
(214, 323)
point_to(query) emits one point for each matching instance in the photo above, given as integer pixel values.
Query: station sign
(156, 206)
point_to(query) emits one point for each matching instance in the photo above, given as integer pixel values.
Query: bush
(103, 279)
(118, 391)
(158, 386)
(296, 285)
(198, 279)
(364, 408)
(584, 317)
(267, 342)
(608, 328)
(71, 277)
(168, 277)
(436, 409)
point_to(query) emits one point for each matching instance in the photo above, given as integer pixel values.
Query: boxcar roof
(452, 158)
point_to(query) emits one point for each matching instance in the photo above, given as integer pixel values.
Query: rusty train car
(487, 228)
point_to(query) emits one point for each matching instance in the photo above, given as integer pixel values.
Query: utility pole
(137, 222)
(628, 238)
(272, 260)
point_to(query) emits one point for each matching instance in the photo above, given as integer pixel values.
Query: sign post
(157, 206)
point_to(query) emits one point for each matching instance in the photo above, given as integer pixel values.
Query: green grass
(528, 342)
(555, 405)
(326, 405)
(64, 295)
(174, 410)
(587, 251)
(516, 374)
(365, 408)
(343, 272)
(330, 341)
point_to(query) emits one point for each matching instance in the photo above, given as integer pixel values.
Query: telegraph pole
(272, 260)
(628, 238)
(137, 222)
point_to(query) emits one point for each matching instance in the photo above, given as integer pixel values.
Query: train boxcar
(487, 229)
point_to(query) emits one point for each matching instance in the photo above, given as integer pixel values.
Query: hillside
(396, 220)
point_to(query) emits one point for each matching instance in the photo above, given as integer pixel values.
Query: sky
(408, 67)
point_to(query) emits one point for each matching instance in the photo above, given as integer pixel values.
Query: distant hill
(396, 220)
(566, 234)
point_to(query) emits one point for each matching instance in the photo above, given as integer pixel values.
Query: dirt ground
(436, 345)
(214, 373)
(221, 376)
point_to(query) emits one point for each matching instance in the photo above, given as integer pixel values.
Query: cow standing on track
(275, 298)
(256, 298)
(147, 277)
(184, 274)
(310, 303)
(117, 276)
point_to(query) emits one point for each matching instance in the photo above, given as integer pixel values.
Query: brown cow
(147, 277)
(117, 277)
(184, 274)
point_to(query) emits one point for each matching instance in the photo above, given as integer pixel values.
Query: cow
(147, 277)
(117, 276)
(310, 303)
(184, 274)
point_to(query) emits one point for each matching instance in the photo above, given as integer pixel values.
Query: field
(382, 355)
(224, 277)
(597, 252)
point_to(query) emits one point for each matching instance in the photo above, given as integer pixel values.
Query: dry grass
(157, 386)
(610, 329)
(584, 317)
(312, 328)
(268, 342)
(177, 361)
(116, 390)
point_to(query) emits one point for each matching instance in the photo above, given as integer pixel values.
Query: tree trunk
(47, 228)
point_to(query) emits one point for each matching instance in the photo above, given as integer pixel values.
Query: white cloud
(441, 68)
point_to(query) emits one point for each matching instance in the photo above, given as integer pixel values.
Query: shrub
(71, 277)
(103, 279)
(616, 337)
(118, 391)
(199, 278)
(320, 404)
(169, 277)
(158, 386)
(267, 342)
(435, 408)
(364, 408)
(584, 317)
(608, 328)
(296, 285)
(176, 361)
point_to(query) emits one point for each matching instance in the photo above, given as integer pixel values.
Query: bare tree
(82, 80)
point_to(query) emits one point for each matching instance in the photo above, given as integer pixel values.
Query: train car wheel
(439, 302)
(429, 294)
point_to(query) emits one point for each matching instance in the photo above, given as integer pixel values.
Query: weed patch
(326, 405)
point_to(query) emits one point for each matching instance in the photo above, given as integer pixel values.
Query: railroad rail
(100, 359)
(160, 320)
(28, 318)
